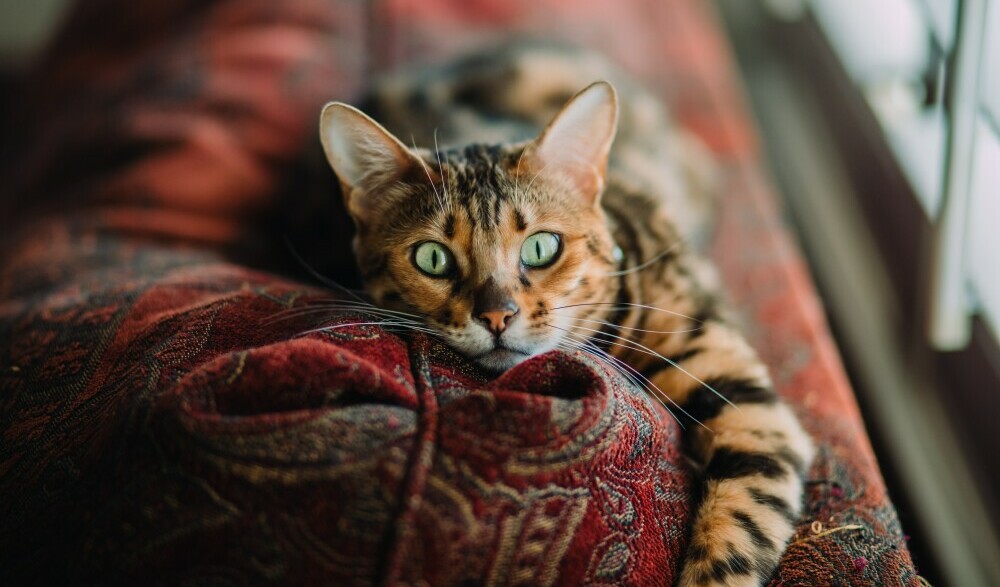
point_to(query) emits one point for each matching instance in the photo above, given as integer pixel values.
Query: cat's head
(502, 249)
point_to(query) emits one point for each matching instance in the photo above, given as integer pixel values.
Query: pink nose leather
(494, 306)
(496, 320)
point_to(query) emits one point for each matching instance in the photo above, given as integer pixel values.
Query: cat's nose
(494, 306)
(496, 321)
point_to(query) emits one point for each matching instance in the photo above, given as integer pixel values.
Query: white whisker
(374, 323)
(612, 324)
(636, 378)
(646, 264)
(517, 172)
(626, 305)
(604, 358)
(354, 305)
(319, 276)
(540, 171)
(333, 312)
(661, 357)
(638, 374)
(437, 153)
(428, 174)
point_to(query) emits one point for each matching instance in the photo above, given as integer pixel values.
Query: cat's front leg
(755, 455)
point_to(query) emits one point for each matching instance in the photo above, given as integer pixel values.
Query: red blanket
(163, 421)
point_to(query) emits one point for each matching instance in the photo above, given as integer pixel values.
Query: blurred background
(25, 26)
(881, 125)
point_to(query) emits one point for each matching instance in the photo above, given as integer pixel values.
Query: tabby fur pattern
(628, 284)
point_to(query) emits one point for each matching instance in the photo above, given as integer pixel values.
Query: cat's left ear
(574, 146)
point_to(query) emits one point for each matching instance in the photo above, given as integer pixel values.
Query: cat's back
(506, 94)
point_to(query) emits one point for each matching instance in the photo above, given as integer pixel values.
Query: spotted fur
(628, 283)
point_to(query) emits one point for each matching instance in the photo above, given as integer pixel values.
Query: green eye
(540, 249)
(433, 258)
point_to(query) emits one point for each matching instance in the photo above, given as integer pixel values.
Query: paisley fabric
(164, 418)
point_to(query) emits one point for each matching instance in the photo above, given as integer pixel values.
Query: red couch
(160, 425)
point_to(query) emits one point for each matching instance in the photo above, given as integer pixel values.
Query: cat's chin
(500, 359)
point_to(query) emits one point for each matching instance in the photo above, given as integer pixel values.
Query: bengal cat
(507, 243)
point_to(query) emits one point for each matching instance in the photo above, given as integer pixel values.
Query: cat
(524, 231)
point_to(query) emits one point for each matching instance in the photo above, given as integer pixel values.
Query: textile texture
(165, 420)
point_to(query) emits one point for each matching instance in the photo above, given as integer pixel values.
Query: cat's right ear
(362, 153)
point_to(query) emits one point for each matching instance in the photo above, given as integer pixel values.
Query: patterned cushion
(165, 418)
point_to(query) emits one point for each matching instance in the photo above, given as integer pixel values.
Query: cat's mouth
(501, 357)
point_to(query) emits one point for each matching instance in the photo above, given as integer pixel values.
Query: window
(930, 71)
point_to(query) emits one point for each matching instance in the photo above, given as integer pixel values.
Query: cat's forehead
(478, 165)
(474, 191)
(483, 187)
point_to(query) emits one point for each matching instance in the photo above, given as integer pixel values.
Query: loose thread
(818, 531)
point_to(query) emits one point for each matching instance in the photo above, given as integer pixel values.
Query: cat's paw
(733, 547)
(719, 563)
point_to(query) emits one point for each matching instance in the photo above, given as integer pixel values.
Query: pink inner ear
(575, 145)
(361, 151)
